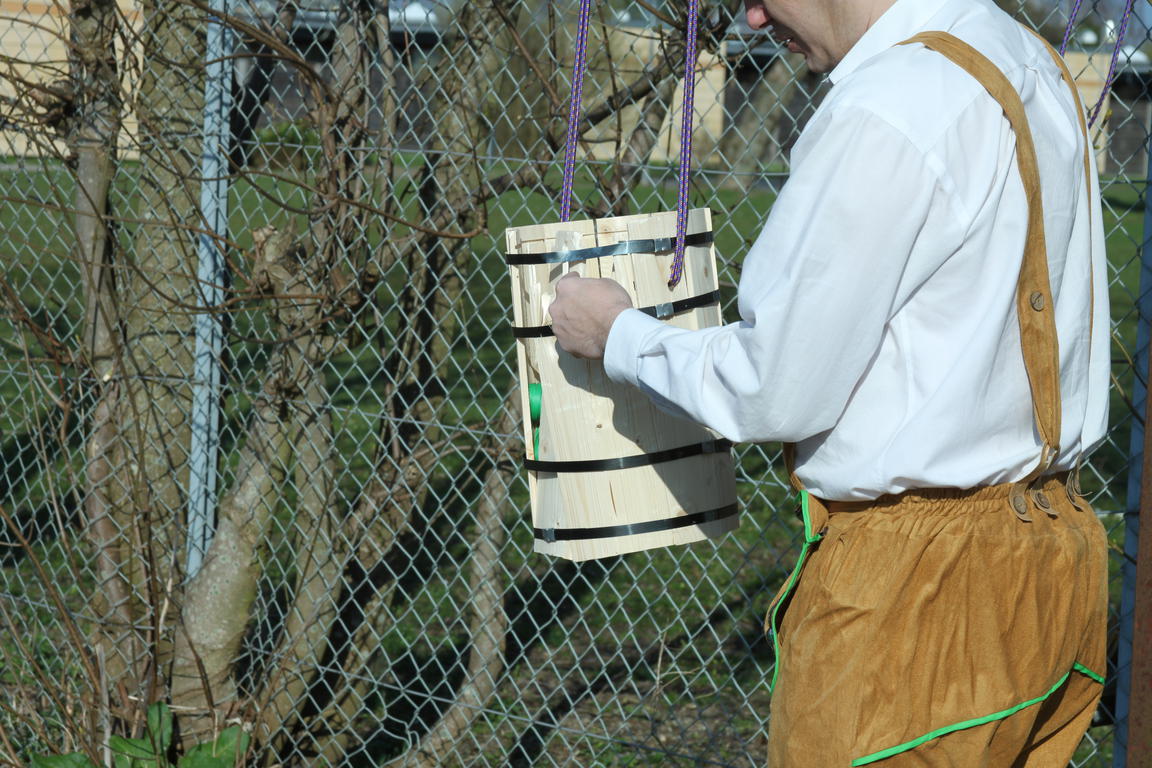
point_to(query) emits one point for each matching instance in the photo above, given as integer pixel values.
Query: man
(924, 316)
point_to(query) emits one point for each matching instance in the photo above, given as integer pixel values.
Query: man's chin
(817, 66)
(814, 64)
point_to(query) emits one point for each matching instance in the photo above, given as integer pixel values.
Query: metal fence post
(1132, 513)
(211, 277)
(1139, 720)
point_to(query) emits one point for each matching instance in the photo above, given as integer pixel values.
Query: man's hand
(584, 311)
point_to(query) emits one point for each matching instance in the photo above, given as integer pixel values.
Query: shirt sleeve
(818, 287)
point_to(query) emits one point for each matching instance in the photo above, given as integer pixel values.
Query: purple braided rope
(574, 109)
(1112, 66)
(685, 144)
(1071, 26)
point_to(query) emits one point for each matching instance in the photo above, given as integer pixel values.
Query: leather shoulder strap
(1034, 306)
(1081, 114)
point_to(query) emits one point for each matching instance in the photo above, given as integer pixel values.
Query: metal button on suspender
(1020, 507)
(1043, 502)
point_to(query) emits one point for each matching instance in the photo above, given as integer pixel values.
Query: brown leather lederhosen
(951, 627)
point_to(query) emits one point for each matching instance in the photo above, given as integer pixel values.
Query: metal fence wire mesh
(259, 449)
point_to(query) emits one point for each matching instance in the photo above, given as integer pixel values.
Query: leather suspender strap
(1073, 486)
(1034, 307)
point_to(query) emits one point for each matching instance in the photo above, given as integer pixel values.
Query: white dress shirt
(878, 326)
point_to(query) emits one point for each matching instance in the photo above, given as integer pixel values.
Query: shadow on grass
(24, 457)
(633, 663)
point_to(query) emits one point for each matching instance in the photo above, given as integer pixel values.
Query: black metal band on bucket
(659, 311)
(629, 462)
(632, 529)
(623, 248)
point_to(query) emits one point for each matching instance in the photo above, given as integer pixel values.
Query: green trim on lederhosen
(886, 753)
(1078, 667)
(810, 538)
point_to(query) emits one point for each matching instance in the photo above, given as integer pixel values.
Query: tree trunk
(95, 74)
(320, 555)
(218, 602)
(146, 432)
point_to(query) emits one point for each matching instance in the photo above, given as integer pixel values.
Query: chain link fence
(258, 449)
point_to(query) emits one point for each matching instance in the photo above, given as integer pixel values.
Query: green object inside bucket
(535, 395)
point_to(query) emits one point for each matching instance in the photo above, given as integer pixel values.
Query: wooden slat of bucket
(587, 416)
(513, 245)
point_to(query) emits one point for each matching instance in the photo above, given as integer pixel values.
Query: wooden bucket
(609, 473)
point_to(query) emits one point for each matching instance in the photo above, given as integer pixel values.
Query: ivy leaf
(160, 727)
(222, 752)
(132, 753)
(123, 761)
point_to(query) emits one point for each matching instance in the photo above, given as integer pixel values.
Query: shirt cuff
(625, 342)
